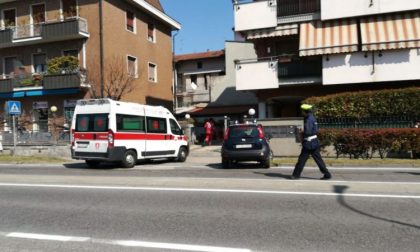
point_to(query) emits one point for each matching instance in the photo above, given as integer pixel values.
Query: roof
(156, 4)
(201, 55)
(154, 8)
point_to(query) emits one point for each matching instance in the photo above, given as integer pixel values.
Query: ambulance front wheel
(182, 154)
(129, 160)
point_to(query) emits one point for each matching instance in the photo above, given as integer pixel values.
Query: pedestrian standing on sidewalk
(310, 145)
(208, 127)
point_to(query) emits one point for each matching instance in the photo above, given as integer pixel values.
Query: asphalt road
(200, 207)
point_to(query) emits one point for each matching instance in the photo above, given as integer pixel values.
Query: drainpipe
(101, 47)
(175, 83)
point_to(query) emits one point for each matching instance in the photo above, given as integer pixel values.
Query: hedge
(362, 104)
(363, 143)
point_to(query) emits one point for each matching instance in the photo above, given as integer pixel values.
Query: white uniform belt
(310, 138)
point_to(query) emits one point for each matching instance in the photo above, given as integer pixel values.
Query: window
(9, 65)
(132, 66)
(38, 13)
(152, 72)
(130, 123)
(72, 52)
(151, 32)
(9, 18)
(130, 21)
(69, 8)
(40, 62)
(175, 127)
(199, 65)
(156, 125)
(92, 123)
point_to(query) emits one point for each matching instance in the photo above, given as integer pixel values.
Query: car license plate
(82, 146)
(243, 146)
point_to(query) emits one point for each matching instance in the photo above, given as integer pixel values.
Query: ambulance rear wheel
(129, 159)
(182, 154)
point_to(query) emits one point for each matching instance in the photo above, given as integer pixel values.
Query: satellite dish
(193, 86)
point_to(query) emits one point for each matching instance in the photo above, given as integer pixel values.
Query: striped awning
(318, 38)
(282, 30)
(393, 31)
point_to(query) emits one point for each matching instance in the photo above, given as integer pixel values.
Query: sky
(205, 24)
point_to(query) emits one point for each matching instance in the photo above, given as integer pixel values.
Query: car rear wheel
(182, 154)
(266, 163)
(92, 163)
(129, 159)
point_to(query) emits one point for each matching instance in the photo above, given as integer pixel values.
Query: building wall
(371, 67)
(121, 43)
(224, 87)
(333, 9)
(190, 67)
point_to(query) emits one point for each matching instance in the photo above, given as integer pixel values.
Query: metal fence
(368, 122)
(35, 138)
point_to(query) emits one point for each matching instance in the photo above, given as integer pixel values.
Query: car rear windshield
(243, 131)
(92, 123)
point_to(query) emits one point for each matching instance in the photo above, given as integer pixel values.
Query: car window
(92, 123)
(244, 131)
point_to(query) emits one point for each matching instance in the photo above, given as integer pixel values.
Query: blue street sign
(14, 107)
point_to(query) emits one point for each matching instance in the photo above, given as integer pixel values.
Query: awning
(317, 37)
(282, 30)
(393, 31)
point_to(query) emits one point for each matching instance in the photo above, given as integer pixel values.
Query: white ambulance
(108, 130)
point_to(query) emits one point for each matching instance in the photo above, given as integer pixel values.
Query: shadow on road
(242, 166)
(113, 165)
(279, 175)
(102, 166)
(340, 199)
(411, 173)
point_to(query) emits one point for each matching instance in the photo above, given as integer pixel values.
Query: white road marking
(178, 189)
(125, 243)
(174, 246)
(47, 237)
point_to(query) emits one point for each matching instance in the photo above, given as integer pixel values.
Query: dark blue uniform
(310, 146)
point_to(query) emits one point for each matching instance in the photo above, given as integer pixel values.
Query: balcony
(339, 9)
(252, 15)
(24, 82)
(193, 97)
(270, 73)
(73, 28)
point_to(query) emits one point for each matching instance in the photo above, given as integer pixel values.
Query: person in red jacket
(208, 128)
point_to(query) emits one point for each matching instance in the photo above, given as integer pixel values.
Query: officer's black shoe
(326, 177)
(294, 177)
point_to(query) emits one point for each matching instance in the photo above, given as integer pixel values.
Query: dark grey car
(245, 142)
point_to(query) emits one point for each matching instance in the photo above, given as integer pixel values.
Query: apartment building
(205, 85)
(316, 47)
(125, 37)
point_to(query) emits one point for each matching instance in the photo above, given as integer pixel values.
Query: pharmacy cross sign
(14, 107)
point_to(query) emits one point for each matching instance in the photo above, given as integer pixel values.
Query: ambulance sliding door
(157, 137)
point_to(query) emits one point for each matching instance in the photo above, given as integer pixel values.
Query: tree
(117, 81)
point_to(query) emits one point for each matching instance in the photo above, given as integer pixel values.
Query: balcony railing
(50, 31)
(293, 66)
(296, 7)
(49, 81)
(262, 14)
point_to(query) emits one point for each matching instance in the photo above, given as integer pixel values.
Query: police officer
(310, 145)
